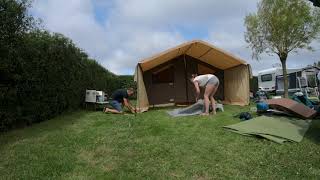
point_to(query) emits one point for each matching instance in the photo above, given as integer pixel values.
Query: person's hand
(132, 109)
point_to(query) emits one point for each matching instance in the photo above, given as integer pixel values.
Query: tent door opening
(163, 84)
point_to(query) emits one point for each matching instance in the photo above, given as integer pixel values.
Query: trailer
(267, 78)
(299, 80)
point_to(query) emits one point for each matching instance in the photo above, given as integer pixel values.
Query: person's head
(130, 91)
(192, 77)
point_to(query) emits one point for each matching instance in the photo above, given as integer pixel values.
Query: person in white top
(210, 83)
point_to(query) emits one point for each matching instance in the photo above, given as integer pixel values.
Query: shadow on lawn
(37, 129)
(314, 131)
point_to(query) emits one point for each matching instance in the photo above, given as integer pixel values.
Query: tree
(15, 22)
(280, 27)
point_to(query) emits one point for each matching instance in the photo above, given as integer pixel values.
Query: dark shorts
(116, 105)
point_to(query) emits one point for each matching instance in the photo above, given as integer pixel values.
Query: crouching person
(210, 83)
(120, 97)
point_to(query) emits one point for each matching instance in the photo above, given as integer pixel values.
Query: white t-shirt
(202, 79)
(318, 76)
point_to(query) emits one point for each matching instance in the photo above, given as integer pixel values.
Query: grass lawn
(93, 145)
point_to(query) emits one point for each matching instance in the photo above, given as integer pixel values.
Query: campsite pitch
(93, 145)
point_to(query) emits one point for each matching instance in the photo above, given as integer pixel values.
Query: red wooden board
(293, 107)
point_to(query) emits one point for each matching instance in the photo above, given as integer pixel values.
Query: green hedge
(42, 74)
(50, 76)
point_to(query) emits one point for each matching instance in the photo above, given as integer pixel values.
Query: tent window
(163, 76)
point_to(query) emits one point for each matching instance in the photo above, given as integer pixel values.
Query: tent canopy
(198, 49)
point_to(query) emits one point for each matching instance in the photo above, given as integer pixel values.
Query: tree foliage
(42, 74)
(280, 27)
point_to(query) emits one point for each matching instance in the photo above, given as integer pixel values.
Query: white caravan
(267, 79)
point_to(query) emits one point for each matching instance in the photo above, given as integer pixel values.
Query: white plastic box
(91, 96)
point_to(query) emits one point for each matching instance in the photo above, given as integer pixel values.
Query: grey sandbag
(194, 109)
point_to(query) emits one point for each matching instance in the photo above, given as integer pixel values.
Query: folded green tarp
(279, 129)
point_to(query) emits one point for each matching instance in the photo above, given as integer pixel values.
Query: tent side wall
(233, 78)
(142, 98)
(236, 87)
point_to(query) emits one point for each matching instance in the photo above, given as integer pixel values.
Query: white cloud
(136, 29)
(76, 20)
(142, 44)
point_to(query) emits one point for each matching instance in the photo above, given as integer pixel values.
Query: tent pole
(186, 77)
(137, 70)
(137, 92)
(135, 108)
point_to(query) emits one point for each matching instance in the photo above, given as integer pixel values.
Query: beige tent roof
(198, 49)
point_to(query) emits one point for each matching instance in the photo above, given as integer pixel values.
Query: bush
(50, 76)
(42, 74)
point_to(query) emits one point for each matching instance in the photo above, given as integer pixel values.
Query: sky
(120, 33)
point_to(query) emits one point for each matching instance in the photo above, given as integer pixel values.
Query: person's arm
(196, 85)
(127, 103)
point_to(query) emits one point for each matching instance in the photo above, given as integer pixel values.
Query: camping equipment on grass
(271, 112)
(288, 105)
(280, 129)
(194, 109)
(261, 96)
(95, 98)
(262, 107)
(245, 116)
(300, 98)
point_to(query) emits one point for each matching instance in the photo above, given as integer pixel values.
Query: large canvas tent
(164, 78)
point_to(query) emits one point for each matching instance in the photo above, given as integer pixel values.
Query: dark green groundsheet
(277, 129)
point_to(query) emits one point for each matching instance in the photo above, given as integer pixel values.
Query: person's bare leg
(112, 111)
(213, 101)
(207, 92)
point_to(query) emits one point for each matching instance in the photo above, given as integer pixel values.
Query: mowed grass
(152, 145)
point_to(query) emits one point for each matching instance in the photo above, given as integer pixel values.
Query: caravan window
(163, 75)
(266, 77)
